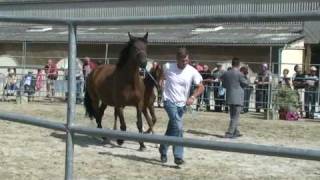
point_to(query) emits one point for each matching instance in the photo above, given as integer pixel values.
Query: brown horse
(118, 85)
(152, 79)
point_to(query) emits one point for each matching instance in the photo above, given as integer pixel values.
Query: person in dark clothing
(310, 97)
(29, 85)
(234, 82)
(247, 90)
(299, 85)
(219, 94)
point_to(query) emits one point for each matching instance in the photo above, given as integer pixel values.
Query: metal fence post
(71, 100)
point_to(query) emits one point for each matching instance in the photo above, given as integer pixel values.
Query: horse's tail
(88, 105)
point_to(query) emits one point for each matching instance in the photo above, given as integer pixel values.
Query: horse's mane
(124, 54)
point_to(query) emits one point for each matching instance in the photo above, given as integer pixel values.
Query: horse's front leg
(139, 125)
(153, 116)
(149, 121)
(123, 126)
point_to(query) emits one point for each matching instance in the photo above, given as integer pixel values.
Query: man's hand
(190, 100)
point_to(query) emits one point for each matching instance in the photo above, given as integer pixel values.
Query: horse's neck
(149, 83)
(129, 74)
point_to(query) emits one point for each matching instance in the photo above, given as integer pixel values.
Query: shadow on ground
(141, 159)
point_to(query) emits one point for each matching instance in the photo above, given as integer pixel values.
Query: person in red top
(39, 79)
(52, 75)
(87, 67)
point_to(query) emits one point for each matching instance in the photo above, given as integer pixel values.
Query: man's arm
(243, 81)
(197, 92)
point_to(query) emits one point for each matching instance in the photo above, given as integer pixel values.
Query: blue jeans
(174, 128)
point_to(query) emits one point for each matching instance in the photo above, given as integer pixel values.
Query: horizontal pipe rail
(303, 16)
(307, 154)
(31, 120)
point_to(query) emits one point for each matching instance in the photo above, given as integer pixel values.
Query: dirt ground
(29, 152)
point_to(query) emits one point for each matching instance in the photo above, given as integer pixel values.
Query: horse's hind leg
(99, 120)
(123, 127)
(100, 115)
(115, 119)
(139, 125)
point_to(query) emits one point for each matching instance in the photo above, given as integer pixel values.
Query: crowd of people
(47, 76)
(306, 85)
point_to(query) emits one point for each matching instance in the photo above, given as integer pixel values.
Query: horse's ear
(130, 36)
(145, 37)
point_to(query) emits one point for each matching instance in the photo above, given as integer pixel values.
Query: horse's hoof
(147, 132)
(106, 140)
(120, 141)
(142, 148)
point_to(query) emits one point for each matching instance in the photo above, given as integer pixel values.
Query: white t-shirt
(178, 83)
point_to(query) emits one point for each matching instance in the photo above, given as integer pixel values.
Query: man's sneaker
(178, 161)
(163, 158)
(237, 134)
(228, 135)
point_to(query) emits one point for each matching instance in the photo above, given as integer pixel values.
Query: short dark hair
(182, 52)
(235, 61)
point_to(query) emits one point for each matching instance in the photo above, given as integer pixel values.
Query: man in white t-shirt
(179, 77)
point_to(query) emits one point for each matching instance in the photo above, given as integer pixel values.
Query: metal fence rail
(307, 154)
(156, 20)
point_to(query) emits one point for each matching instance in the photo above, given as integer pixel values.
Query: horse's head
(138, 50)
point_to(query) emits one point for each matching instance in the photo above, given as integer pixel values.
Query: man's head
(87, 60)
(264, 67)
(49, 61)
(182, 58)
(235, 62)
(219, 66)
(298, 69)
(244, 70)
(11, 71)
(285, 72)
(313, 70)
(205, 67)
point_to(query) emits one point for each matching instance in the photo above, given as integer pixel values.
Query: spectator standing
(39, 80)
(247, 89)
(262, 82)
(312, 82)
(207, 82)
(87, 67)
(218, 90)
(29, 83)
(51, 75)
(79, 82)
(285, 80)
(234, 82)
(299, 85)
(11, 82)
(179, 77)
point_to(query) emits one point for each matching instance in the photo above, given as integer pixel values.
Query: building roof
(272, 33)
(197, 34)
